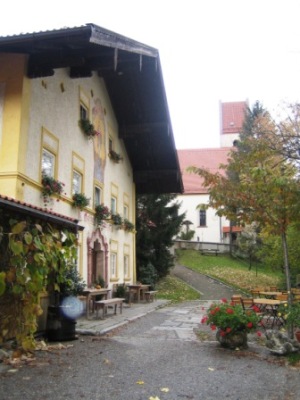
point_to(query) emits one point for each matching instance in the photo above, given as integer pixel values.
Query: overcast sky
(210, 50)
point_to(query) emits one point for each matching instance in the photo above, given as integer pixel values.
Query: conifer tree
(158, 223)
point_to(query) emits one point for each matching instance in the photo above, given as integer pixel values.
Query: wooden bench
(150, 295)
(209, 251)
(103, 304)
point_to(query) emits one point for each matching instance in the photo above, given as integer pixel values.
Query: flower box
(116, 219)
(80, 201)
(87, 128)
(102, 213)
(114, 156)
(128, 226)
(51, 187)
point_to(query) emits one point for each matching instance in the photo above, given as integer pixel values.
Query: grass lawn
(173, 289)
(229, 270)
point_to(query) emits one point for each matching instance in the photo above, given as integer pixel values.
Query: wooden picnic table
(91, 293)
(139, 290)
(269, 294)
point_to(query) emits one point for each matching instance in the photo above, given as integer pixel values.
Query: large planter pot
(233, 340)
(297, 335)
(59, 326)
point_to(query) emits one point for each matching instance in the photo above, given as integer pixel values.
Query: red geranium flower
(229, 311)
(249, 325)
(213, 327)
(255, 309)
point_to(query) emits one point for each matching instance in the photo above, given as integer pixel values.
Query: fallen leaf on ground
(165, 390)
(140, 382)
(211, 369)
(42, 346)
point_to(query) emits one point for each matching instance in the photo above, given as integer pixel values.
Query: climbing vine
(33, 258)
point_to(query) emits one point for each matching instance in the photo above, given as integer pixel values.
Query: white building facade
(208, 226)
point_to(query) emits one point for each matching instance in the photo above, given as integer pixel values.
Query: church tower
(232, 115)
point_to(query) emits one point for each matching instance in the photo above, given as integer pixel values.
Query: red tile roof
(207, 158)
(39, 212)
(226, 229)
(232, 116)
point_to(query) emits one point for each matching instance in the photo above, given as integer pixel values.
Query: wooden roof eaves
(35, 212)
(108, 38)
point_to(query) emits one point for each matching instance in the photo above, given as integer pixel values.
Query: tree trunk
(230, 238)
(287, 277)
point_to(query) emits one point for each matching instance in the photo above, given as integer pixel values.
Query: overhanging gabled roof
(26, 209)
(133, 78)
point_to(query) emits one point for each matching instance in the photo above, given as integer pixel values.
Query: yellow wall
(33, 107)
(14, 123)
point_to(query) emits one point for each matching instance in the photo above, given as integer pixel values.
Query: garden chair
(247, 303)
(282, 297)
(236, 299)
(255, 293)
(273, 289)
(296, 298)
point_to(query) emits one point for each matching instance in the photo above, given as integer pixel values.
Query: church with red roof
(208, 227)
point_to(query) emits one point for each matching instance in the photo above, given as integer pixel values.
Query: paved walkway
(111, 322)
(183, 319)
(209, 288)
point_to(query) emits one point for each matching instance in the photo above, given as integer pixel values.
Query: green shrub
(147, 275)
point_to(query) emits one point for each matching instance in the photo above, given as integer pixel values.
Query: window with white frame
(113, 265)
(97, 196)
(113, 205)
(48, 163)
(126, 266)
(77, 182)
(125, 211)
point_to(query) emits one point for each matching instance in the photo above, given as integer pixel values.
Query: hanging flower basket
(116, 219)
(51, 187)
(114, 156)
(80, 201)
(88, 128)
(128, 226)
(102, 213)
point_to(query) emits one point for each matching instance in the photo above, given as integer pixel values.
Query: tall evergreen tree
(158, 222)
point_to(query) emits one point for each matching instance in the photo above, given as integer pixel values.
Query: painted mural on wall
(99, 140)
(1, 106)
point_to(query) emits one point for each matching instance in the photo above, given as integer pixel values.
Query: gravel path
(158, 356)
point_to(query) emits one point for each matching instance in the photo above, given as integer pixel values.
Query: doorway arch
(97, 257)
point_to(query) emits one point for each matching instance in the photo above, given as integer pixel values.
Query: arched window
(202, 217)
